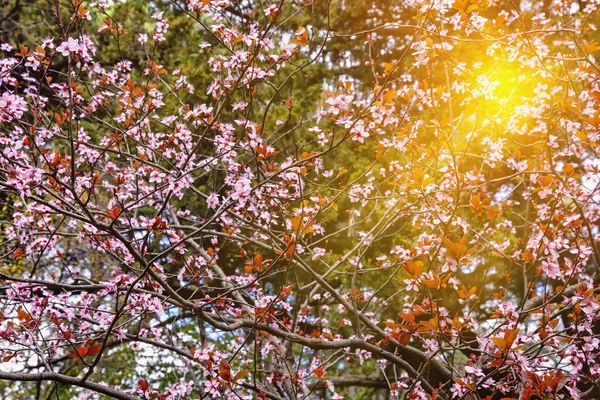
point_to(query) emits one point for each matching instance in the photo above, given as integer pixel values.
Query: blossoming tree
(207, 230)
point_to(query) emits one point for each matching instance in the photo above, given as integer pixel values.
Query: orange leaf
(418, 176)
(499, 342)
(258, 260)
(414, 268)
(546, 180)
(301, 37)
(434, 283)
(476, 204)
(8, 356)
(493, 212)
(389, 96)
(240, 375)
(319, 372)
(510, 336)
(505, 343)
(23, 315)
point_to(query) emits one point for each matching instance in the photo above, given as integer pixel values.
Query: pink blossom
(69, 46)
(213, 200)
(11, 106)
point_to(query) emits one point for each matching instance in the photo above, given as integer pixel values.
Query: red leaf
(143, 384)
(94, 349)
(114, 213)
(225, 371)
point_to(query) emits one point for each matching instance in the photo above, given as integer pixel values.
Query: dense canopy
(301, 199)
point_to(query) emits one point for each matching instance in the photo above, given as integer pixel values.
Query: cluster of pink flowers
(11, 106)
(439, 225)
